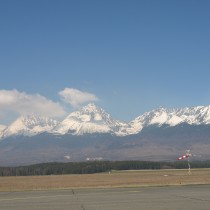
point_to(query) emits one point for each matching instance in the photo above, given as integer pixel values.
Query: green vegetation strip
(95, 167)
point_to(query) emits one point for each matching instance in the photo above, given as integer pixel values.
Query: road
(192, 197)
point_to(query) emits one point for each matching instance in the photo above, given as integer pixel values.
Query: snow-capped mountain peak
(90, 113)
(29, 125)
(89, 119)
(172, 117)
(2, 127)
(159, 116)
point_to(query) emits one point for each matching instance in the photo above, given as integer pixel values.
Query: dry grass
(115, 179)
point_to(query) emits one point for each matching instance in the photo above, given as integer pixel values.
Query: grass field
(105, 180)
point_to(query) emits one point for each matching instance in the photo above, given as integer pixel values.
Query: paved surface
(174, 197)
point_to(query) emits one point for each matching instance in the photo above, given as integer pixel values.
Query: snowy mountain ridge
(29, 125)
(2, 127)
(92, 119)
(172, 117)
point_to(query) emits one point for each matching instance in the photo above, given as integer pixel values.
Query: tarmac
(191, 197)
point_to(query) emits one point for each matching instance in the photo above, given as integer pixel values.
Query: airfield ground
(191, 197)
(114, 179)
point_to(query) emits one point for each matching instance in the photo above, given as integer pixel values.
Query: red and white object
(187, 155)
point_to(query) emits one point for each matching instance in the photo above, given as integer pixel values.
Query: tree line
(95, 167)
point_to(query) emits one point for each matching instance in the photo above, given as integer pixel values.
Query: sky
(126, 56)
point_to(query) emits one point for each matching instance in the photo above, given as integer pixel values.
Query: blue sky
(128, 57)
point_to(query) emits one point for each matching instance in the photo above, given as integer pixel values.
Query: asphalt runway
(155, 198)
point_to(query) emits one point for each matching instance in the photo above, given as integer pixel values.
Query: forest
(95, 167)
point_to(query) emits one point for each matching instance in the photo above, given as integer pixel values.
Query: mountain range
(91, 133)
(92, 119)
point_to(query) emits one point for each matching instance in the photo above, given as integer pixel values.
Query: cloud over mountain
(23, 103)
(75, 97)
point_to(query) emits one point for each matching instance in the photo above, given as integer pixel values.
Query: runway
(192, 197)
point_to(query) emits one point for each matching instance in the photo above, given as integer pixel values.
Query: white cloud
(76, 97)
(23, 103)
